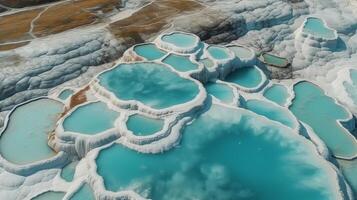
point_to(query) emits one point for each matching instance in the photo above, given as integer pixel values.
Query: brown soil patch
(6, 47)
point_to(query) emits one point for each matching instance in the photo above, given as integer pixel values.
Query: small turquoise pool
(68, 171)
(84, 193)
(220, 91)
(25, 138)
(153, 84)
(149, 51)
(224, 154)
(241, 52)
(218, 52)
(272, 112)
(142, 125)
(351, 88)
(319, 111)
(271, 59)
(277, 93)
(50, 196)
(249, 77)
(65, 94)
(316, 26)
(208, 63)
(180, 63)
(90, 119)
(181, 40)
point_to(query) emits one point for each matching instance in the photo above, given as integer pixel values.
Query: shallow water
(218, 52)
(180, 63)
(25, 138)
(315, 26)
(68, 171)
(90, 119)
(352, 88)
(241, 52)
(277, 93)
(207, 62)
(50, 196)
(181, 40)
(224, 154)
(220, 91)
(141, 125)
(274, 60)
(248, 77)
(319, 111)
(153, 84)
(84, 193)
(349, 170)
(149, 51)
(65, 94)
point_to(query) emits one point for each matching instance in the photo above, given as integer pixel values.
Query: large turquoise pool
(25, 138)
(319, 111)
(277, 93)
(142, 125)
(218, 52)
(316, 26)
(351, 88)
(182, 40)
(90, 119)
(220, 91)
(224, 154)
(149, 51)
(50, 196)
(249, 77)
(180, 63)
(153, 84)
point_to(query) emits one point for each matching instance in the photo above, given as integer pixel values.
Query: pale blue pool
(218, 52)
(25, 138)
(241, 52)
(180, 63)
(352, 88)
(90, 119)
(271, 59)
(316, 26)
(249, 77)
(319, 111)
(84, 193)
(277, 93)
(65, 94)
(271, 111)
(50, 196)
(181, 40)
(207, 62)
(149, 51)
(142, 125)
(153, 84)
(224, 154)
(220, 91)
(68, 171)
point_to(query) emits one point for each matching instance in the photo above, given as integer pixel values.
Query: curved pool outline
(289, 93)
(335, 37)
(173, 48)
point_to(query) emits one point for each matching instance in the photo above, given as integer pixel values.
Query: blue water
(241, 52)
(248, 77)
(149, 51)
(25, 138)
(153, 84)
(180, 63)
(319, 111)
(50, 196)
(84, 193)
(207, 62)
(218, 52)
(224, 154)
(349, 170)
(90, 119)
(220, 91)
(65, 94)
(315, 26)
(68, 171)
(141, 125)
(277, 93)
(274, 60)
(271, 111)
(352, 88)
(181, 40)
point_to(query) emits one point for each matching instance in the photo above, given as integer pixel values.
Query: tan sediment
(6, 47)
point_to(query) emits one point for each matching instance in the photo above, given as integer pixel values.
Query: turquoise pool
(90, 119)
(351, 88)
(241, 52)
(84, 193)
(271, 59)
(181, 40)
(277, 93)
(142, 125)
(224, 154)
(271, 111)
(349, 170)
(249, 77)
(65, 94)
(25, 138)
(207, 62)
(218, 52)
(180, 63)
(68, 171)
(149, 51)
(50, 196)
(220, 91)
(319, 111)
(153, 84)
(316, 26)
